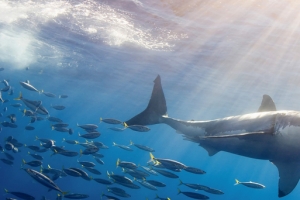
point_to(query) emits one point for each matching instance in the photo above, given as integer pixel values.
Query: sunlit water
(215, 58)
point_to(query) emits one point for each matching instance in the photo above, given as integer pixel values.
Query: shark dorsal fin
(267, 104)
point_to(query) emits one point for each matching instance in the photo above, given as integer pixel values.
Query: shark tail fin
(156, 108)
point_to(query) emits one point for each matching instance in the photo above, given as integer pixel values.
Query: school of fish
(119, 184)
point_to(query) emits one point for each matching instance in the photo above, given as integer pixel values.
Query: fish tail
(131, 143)
(178, 191)
(152, 158)
(79, 134)
(19, 97)
(41, 170)
(114, 144)
(100, 119)
(41, 91)
(28, 153)
(156, 108)
(180, 182)
(64, 140)
(118, 162)
(125, 125)
(237, 182)
(6, 191)
(24, 162)
(80, 153)
(64, 193)
(49, 167)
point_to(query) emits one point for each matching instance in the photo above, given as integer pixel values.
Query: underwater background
(215, 59)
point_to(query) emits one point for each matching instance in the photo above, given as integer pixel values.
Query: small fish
(138, 128)
(99, 161)
(93, 170)
(118, 191)
(122, 147)
(161, 198)
(88, 151)
(49, 94)
(44, 180)
(29, 128)
(110, 121)
(5, 82)
(67, 153)
(167, 163)
(98, 155)
(88, 126)
(33, 105)
(117, 129)
(119, 178)
(145, 148)
(29, 87)
(146, 184)
(250, 184)
(151, 171)
(194, 186)
(61, 129)
(71, 131)
(32, 147)
(21, 195)
(102, 181)
(5, 89)
(91, 135)
(58, 107)
(156, 183)
(72, 172)
(100, 145)
(8, 162)
(166, 173)
(194, 170)
(86, 163)
(8, 146)
(213, 191)
(60, 125)
(138, 174)
(32, 119)
(36, 156)
(109, 197)
(70, 141)
(16, 105)
(54, 119)
(193, 195)
(8, 156)
(63, 96)
(12, 118)
(34, 163)
(76, 196)
(84, 175)
(124, 164)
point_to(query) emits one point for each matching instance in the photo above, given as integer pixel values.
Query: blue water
(215, 58)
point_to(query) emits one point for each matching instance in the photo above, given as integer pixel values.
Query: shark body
(267, 134)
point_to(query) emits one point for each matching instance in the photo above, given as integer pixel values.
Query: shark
(268, 134)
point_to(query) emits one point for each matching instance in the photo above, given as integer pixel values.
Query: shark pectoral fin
(289, 175)
(244, 136)
(211, 151)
